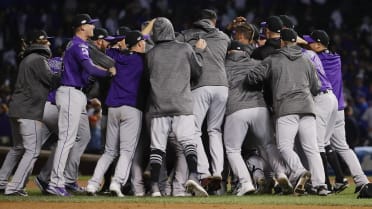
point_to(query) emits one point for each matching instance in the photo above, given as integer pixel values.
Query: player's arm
(45, 74)
(82, 54)
(257, 75)
(196, 60)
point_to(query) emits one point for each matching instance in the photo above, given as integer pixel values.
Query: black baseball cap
(121, 33)
(101, 33)
(82, 19)
(319, 36)
(236, 45)
(37, 35)
(288, 35)
(274, 24)
(133, 37)
(287, 21)
(207, 14)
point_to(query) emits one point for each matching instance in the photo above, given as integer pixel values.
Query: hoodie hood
(238, 56)
(204, 24)
(292, 52)
(162, 30)
(43, 50)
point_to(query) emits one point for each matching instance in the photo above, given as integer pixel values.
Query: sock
(335, 164)
(325, 165)
(191, 158)
(156, 158)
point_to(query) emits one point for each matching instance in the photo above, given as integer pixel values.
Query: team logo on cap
(83, 21)
(41, 37)
(139, 38)
(101, 36)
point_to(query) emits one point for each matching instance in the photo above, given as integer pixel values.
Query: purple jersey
(55, 65)
(332, 67)
(77, 64)
(126, 84)
(313, 57)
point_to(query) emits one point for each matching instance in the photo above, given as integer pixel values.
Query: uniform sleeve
(196, 62)
(257, 75)
(45, 74)
(82, 55)
(314, 80)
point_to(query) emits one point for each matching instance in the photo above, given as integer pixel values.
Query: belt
(75, 87)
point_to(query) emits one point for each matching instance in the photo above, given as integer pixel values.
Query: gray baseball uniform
(171, 103)
(209, 93)
(31, 90)
(71, 103)
(293, 81)
(247, 112)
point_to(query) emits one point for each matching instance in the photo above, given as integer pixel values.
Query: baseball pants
(287, 127)
(28, 141)
(71, 104)
(339, 144)
(123, 132)
(210, 102)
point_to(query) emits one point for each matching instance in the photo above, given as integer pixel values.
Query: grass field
(346, 199)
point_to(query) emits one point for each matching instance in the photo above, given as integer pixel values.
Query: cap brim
(308, 39)
(110, 38)
(119, 37)
(93, 21)
(146, 37)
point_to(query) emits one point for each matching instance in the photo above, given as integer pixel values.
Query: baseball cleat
(300, 186)
(245, 188)
(195, 188)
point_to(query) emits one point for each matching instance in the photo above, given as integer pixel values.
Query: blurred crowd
(348, 23)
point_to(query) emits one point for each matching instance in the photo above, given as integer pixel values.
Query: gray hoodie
(171, 65)
(214, 73)
(293, 81)
(34, 81)
(238, 64)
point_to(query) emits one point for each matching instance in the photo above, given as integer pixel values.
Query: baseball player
(171, 103)
(26, 111)
(246, 110)
(209, 94)
(318, 41)
(326, 111)
(70, 99)
(293, 81)
(50, 118)
(125, 102)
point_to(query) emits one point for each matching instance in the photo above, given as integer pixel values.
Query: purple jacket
(55, 65)
(126, 87)
(313, 57)
(332, 67)
(77, 64)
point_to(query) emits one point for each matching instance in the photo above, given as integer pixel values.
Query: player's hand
(95, 102)
(237, 21)
(201, 44)
(301, 41)
(112, 71)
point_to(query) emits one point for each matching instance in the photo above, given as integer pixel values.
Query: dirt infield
(108, 205)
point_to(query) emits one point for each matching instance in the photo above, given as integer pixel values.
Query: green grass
(345, 198)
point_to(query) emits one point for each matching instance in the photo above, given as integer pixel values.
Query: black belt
(76, 87)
